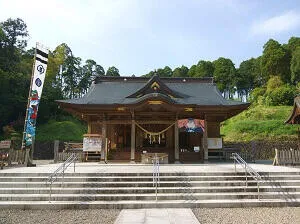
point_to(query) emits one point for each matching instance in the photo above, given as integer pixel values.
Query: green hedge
(71, 130)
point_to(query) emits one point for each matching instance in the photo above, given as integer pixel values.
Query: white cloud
(277, 24)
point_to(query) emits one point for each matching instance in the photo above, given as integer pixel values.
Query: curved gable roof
(126, 90)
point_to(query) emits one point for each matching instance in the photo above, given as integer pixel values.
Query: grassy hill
(258, 123)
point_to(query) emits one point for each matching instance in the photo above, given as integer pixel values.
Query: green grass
(70, 130)
(258, 123)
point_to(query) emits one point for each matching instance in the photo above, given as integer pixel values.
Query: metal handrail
(248, 169)
(60, 171)
(156, 179)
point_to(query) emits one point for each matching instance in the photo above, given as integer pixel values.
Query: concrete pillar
(205, 144)
(176, 141)
(132, 144)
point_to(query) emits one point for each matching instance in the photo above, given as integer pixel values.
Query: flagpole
(27, 107)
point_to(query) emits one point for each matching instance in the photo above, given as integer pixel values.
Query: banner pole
(27, 108)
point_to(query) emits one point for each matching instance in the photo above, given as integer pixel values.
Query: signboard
(5, 144)
(92, 144)
(214, 143)
(196, 148)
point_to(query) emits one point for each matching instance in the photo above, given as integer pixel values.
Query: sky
(138, 36)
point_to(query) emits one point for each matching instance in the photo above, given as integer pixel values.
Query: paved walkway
(156, 216)
(96, 167)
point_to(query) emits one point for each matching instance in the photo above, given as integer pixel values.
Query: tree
(192, 71)
(224, 74)
(244, 78)
(13, 34)
(275, 61)
(71, 75)
(259, 79)
(112, 71)
(295, 66)
(90, 70)
(181, 71)
(204, 69)
(293, 43)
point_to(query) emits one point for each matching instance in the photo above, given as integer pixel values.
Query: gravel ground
(103, 216)
(289, 215)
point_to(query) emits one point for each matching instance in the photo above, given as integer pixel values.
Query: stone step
(133, 204)
(150, 183)
(150, 196)
(139, 190)
(103, 174)
(140, 178)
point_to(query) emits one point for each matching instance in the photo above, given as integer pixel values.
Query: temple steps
(182, 183)
(139, 178)
(135, 190)
(151, 196)
(140, 190)
(134, 204)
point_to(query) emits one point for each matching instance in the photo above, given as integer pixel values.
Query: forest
(272, 79)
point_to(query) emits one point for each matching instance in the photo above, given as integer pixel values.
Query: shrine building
(177, 117)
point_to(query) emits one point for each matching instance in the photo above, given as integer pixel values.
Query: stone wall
(261, 150)
(45, 150)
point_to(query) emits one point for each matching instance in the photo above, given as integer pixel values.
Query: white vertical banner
(35, 93)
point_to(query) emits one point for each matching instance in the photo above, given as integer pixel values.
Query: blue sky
(138, 36)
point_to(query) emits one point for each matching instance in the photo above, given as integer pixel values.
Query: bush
(283, 95)
(71, 130)
(256, 94)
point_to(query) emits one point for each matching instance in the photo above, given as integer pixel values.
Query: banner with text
(36, 88)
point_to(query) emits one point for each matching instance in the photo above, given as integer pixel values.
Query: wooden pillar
(176, 141)
(132, 143)
(205, 145)
(89, 131)
(104, 132)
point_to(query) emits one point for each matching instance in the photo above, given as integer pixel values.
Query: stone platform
(46, 166)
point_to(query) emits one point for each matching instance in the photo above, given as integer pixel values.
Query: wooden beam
(129, 122)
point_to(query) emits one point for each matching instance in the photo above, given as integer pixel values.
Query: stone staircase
(135, 190)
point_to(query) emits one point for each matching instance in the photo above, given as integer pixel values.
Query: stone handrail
(286, 157)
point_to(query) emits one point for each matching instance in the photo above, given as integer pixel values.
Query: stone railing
(287, 157)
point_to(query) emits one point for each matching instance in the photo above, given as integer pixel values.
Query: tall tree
(295, 66)
(244, 78)
(90, 70)
(224, 76)
(192, 71)
(181, 71)
(167, 72)
(293, 43)
(112, 71)
(71, 75)
(13, 38)
(275, 61)
(204, 69)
